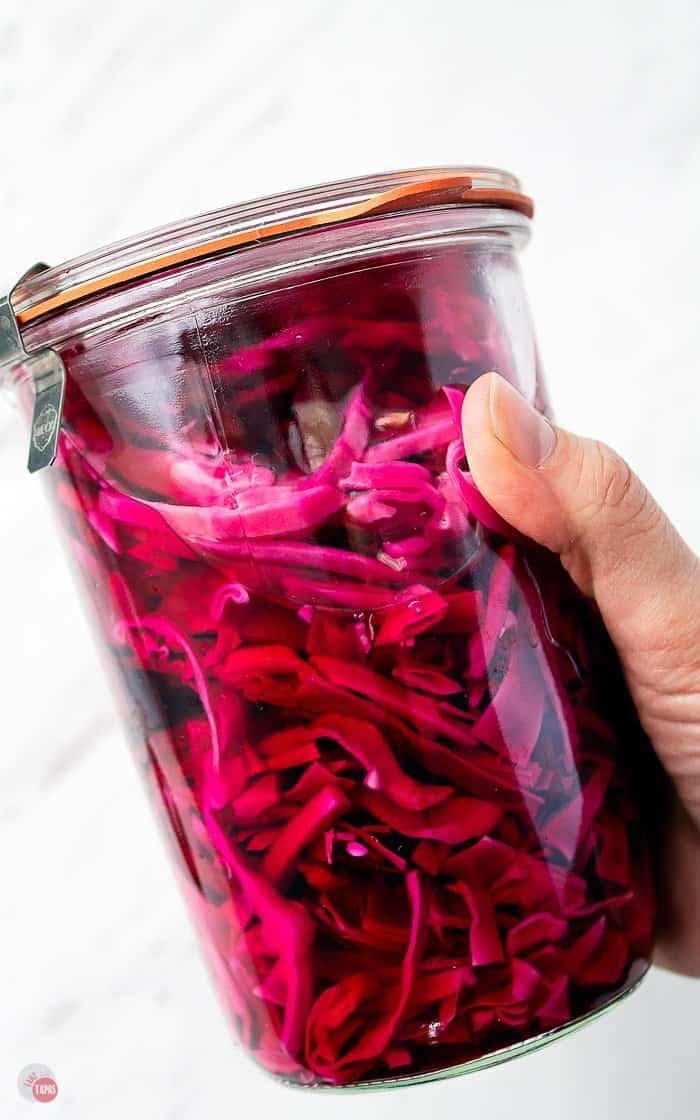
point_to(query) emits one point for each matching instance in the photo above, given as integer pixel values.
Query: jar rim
(246, 224)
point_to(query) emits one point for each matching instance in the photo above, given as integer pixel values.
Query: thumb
(581, 500)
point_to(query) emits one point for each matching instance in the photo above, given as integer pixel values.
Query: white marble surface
(117, 117)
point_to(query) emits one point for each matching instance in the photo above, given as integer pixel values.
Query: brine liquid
(391, 742)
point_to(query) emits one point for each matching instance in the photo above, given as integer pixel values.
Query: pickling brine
(390, 741)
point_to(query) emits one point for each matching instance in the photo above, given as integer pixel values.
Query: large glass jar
(389, 741)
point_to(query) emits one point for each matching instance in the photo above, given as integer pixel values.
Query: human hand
(578, 498)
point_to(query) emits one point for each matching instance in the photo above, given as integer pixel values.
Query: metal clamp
(48, 373)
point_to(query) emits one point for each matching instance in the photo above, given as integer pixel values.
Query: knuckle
(613, 506)
(614, 491)
(613, 479)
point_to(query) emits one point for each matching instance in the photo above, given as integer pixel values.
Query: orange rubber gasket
(430, 192)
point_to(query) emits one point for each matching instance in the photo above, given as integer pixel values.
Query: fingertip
(519, 494)
(475, 408)
(477, 431)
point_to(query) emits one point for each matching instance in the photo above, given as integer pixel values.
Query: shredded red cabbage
(392, 742)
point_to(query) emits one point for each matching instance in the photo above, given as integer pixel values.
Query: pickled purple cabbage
(391, 741)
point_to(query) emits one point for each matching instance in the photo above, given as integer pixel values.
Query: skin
(581, 500)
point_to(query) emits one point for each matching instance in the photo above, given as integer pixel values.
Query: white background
(116, 117)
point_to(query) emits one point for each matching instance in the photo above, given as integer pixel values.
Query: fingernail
(518, 426)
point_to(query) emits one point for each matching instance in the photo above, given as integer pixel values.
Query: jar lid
(45, 291)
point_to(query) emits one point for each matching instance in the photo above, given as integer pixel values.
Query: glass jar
(389, 741)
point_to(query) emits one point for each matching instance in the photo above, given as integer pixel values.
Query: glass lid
(46, 290)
